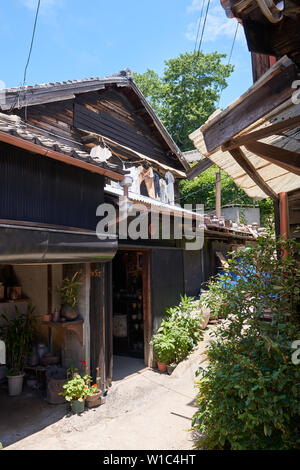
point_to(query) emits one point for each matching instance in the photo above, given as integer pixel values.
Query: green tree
(185, 96)
(202, 190)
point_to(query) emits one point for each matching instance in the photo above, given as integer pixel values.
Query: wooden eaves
(247, 121)
(38, 149)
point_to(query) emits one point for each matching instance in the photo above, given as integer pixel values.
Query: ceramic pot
(68, 312)
(170, 368)
(56, 378)
(94, 400)
(41, 350)
(162, 367)
(33, 359)
(78, 406)
(15, 384)
(206, 316)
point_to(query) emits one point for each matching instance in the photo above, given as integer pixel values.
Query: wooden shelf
(7, 301)
(76, 326)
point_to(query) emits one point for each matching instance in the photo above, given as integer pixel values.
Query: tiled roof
(13, 125)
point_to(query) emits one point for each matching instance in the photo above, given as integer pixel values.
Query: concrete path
(147, 410)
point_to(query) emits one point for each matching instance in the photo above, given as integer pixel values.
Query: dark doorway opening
(128, 304)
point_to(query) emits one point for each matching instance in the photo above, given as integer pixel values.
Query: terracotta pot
(162, 367)
(94, 400)
(47, 318)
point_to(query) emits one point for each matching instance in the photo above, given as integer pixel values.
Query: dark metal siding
(37, 189)
(167, 281)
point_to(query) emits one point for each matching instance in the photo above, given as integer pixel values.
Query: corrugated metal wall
(37, 189)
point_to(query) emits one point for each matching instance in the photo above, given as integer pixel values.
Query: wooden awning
(256, 140)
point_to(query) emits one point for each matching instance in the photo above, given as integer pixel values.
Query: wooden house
(53, 180)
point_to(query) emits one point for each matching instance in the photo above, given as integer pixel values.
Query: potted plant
(18, 334)
(69, 293)
(171, 367)
(164, 350)
(75, 391)
(93, 398)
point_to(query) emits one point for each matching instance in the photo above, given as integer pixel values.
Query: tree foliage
(202, 190)
(185, 96)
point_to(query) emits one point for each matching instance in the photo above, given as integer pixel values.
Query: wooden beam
(218, 194)
(201, 166)
(286, 159)
(254, 105)
(280, 126)
(251, 171)
(61, 157)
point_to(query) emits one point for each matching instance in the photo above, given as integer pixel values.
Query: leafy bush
(164, 348)
(187, 315)
(179, 332)
(249, 395)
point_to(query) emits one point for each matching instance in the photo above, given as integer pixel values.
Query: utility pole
(218, 194)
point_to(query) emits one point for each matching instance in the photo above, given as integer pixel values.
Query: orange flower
(95, 385)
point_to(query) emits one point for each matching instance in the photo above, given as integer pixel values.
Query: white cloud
(216, 27)
(46, 5)
(196, 5)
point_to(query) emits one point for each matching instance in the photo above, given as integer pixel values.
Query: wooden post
(284, 228)
(218, 194)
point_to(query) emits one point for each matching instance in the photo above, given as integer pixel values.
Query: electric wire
(229, 59)
(28, 61)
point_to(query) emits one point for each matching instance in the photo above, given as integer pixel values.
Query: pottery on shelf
(68, 312)
(41, 350)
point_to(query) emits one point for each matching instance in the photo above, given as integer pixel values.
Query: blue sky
(93, 38)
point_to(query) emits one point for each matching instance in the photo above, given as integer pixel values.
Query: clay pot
(47, 318)
(68, 312)
(94, 400)
(162, 367)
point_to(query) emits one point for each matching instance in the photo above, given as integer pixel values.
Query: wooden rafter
(273, 129)
(201, 166)
(286, 159)
(267, 94)
(247, 166)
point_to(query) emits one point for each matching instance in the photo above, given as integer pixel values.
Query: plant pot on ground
(171, 368)
(18, 335)
(69, 295)
(56, 378)
(92, 401)
(76, 389)
(164, 350)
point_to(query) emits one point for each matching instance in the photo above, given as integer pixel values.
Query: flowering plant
(78, 386)
(75, 388)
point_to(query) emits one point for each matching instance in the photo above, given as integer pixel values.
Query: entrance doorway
(132, 304)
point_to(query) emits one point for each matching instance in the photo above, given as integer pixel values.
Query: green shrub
(188, 316)
(179, 332)
(249, 396)
(164, 348)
